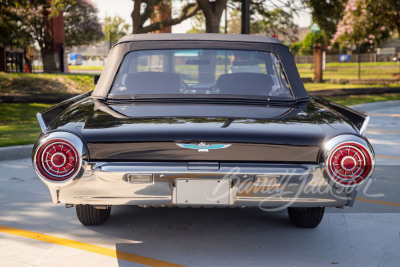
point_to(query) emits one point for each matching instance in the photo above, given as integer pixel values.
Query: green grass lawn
(18, 124)
(45, 83)
(73, 67)
(328, 86)
(80, 67)
(349, 70)
(334, 70)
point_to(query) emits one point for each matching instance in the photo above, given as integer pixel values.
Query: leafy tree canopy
(306, 46)
(81, 23)
(143, 10)
(368, 22)
(268, 17)
(114, 28)
(23, 21)
(326, 13)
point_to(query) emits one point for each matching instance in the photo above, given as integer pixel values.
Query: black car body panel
(142, 132)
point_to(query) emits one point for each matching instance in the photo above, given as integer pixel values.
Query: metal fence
(14, 61)
(366, 66)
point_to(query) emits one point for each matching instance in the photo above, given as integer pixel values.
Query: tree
(114, 28)
(326, 14)
(367, 22)
(296, 47)
(278, 22)
(235, 21)
(34, 18)
(306, 46)
(143, 10)
(8, 26)
(212, 11)
(266, 17)
(82, 26)
(198, 23)
(313, 38)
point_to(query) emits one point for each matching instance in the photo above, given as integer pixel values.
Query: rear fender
(46, 116)
(360, 120)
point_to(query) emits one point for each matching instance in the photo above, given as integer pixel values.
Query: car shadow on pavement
(198, 236)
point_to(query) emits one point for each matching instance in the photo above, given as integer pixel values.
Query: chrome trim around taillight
(336, 141)
(73, 140)
(41, 122)
(364, 126)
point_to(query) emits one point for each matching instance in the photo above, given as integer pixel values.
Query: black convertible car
(202, 120)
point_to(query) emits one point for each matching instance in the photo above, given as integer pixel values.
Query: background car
(74, 59)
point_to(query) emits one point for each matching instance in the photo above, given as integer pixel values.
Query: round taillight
(349, 164)
(57, 160)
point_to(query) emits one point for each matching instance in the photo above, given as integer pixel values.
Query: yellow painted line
(378, 202)
(86, 247)
(387, 157)
(384, 115)
(383, 131)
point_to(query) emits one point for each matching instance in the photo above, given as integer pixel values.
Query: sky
(123, 8)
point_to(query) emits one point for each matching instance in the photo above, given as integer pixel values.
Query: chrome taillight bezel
(59, 137)
(359, 145)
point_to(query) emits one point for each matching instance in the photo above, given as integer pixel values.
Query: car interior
(165, 72)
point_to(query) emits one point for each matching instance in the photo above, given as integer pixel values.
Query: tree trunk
(49, 64)
(212, 24)
(212, 12)
(3, 63)
(136, 18)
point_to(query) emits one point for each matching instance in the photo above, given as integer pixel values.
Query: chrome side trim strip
(181, 168)
(41, 122)
(363, 128)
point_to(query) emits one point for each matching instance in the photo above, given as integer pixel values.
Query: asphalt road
(35, 232)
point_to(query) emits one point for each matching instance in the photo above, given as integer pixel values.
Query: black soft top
(199, 37)
(135, 42)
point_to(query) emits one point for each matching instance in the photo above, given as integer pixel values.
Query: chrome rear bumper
(154, 183)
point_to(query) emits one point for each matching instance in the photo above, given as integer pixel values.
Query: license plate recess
(203, 192)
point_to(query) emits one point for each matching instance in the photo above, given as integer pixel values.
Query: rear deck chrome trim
(105, 183)
(364, 126)
(41, 122)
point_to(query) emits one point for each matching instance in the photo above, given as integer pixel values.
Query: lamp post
(245, 17)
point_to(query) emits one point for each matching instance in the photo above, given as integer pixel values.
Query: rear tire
(88, 215)
(306, 217)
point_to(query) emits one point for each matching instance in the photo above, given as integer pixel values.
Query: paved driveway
(35, 232)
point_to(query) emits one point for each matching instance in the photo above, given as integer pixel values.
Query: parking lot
(35, 232)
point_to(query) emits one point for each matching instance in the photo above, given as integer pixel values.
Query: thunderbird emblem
(203, 147)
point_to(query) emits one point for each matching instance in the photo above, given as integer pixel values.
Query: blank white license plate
(216, 192)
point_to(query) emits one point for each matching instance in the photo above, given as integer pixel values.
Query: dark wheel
(306, 217)
(88, 215)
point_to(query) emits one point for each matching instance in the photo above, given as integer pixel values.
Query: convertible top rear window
(195, 72)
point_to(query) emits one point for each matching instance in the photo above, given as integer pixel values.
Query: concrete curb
(21, 152)
(15, 152)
